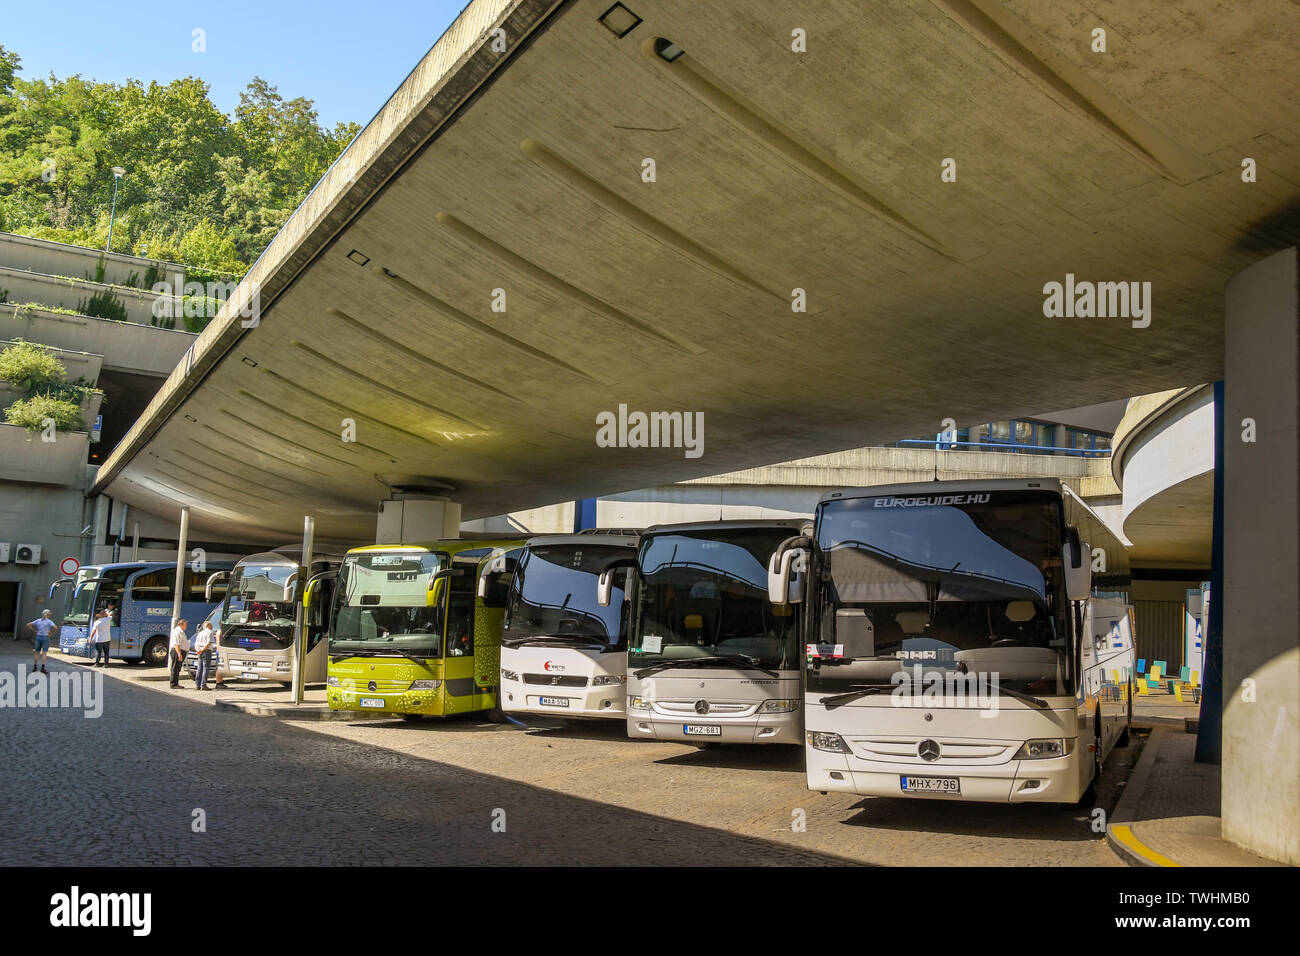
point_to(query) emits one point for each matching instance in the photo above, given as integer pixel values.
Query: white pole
(135, 541)
(300, 618)
(182, 544)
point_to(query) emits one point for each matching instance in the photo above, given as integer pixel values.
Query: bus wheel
(1123, 739)
(155, 652)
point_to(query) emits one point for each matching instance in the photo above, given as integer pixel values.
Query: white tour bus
(710, 660)
(564, 643)
(257, 622)
(957, 649)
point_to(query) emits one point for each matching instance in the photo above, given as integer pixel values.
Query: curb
(1119, 832)
(291, 711)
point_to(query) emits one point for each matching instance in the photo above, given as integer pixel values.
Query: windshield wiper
(733, 660)
(557, 640)
(1027, 698)
(860, 690)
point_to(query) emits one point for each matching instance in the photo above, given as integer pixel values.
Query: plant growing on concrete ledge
(33, 413)
(105, 305)
(28, 366)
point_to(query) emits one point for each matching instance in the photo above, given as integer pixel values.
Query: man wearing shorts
(42, 627)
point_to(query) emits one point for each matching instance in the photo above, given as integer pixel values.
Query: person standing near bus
(101, 634)
(42, 627)
(203, 641)
(180, 646)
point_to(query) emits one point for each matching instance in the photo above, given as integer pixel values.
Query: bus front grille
(554, 680)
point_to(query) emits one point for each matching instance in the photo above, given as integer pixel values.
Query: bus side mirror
(437, 586)
(1078, 569)
(212, 582)
(605, 587)
(785, 570)
(289, 587)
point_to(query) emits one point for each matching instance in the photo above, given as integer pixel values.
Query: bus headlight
(778, 707)
(508, 675)
(604, 680)
(425, 685)
(833, 743)
(1042, 749)
(638, 703)
(331, 681)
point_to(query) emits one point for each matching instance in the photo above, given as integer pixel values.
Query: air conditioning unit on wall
(27, 554)
(4, 552)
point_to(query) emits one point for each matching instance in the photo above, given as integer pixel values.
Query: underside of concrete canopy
(510, 170)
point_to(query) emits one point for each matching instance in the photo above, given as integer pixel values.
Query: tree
(203, 187)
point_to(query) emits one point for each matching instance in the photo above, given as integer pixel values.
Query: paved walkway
(1169, 814)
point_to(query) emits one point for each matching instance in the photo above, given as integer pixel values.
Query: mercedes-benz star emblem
(928, 749)
(371, 686)
(701, 706)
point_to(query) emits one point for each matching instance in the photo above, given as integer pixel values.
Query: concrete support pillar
(1261, 599)
(182, 544)
(411, 519)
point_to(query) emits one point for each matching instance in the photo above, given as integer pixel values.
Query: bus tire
(155, 651)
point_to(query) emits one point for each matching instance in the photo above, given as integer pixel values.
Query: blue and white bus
(139, 594)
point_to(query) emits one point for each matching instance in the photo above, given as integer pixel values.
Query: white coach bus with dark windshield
(957, 647)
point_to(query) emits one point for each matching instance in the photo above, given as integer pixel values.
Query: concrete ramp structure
(572, 206)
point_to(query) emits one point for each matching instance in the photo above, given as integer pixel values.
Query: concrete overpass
(774, 170)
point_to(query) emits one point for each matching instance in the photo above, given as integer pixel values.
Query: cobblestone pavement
(122, 789)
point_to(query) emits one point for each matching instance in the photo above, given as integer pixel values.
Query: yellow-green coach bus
(409, 633)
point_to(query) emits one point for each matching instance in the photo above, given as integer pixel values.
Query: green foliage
(29, 366)
(32, 413)
(37, 371)
(104, 304)
(202, 187)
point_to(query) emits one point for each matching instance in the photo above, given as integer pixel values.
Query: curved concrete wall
(1164, 460)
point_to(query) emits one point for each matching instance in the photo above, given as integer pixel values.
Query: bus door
(113, 595)
(487, 625)
(317, 598)
(460, 691)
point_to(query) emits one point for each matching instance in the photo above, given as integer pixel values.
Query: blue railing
(1006, 446)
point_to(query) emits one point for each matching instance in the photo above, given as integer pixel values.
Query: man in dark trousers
(178, 648)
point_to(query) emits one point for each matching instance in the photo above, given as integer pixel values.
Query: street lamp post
(118, 173)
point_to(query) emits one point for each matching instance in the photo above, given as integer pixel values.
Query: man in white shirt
(101, 635)
(178, 648)
(203, 642)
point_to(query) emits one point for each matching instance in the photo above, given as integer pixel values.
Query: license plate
(702, 730)
(930, 784)
(250, 675)
(372, 702)
(554, 701)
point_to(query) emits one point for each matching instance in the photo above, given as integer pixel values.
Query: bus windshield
(82, 602)
(704, 594)
(554, 595)
(255, 597)
(971, 583)
(382, 605)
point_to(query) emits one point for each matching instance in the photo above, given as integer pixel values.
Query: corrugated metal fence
(1159, 626)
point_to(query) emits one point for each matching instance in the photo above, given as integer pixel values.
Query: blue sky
(347, 56)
